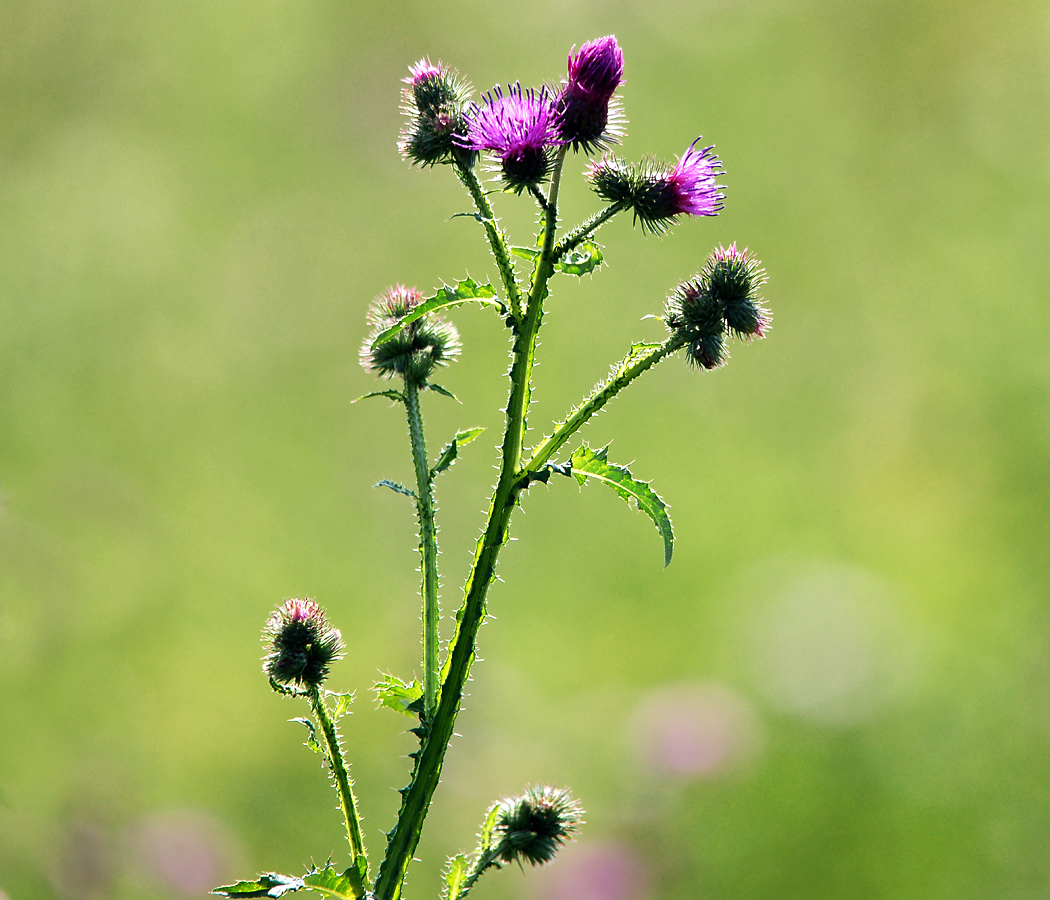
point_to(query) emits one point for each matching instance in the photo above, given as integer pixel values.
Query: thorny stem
(632, 365)
(584, 230)
(436, 735)
(497, 240)
(343, 783)
(427, 548)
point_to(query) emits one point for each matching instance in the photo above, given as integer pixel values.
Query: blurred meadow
(840, 687)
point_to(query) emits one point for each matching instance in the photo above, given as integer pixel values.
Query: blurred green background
(841, 685)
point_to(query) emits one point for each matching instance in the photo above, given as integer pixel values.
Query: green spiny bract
(533, 826)
(301, 643)
(723, 295)
(416, 350)
(435, 103)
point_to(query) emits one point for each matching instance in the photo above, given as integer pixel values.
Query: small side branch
(583, 231)
(497, 241)
(630, 367)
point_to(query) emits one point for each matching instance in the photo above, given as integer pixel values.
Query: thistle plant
(524, 137)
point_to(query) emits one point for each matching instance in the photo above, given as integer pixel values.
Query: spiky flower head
(435, 102)
(734, 278)
(533, 826)
(301, 645)
(723, 295)
(588, 116)
(657, 193)
(519, 129)
(416, 350)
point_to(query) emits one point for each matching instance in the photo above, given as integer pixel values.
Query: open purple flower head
(588, 117)
(519, 129)
(691, 184)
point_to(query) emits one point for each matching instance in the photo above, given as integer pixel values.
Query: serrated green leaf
(455, 874)
(443, 391)
(329, 882)
(489, 827)
(525, 253)
(451, 450)
(581, 260)
(391, 395)
(396, 488)
(268, 885)
(587, 463)
(397, 694)
(465, 291)
(342, 702)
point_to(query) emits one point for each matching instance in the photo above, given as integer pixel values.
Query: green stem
(630, 367)
(497, 240)
(427, 548)
(583, 231)
(343, 784)
(438, 732)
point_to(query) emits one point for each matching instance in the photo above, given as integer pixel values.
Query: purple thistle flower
(691, 184)
(519, 129)
(588, 118)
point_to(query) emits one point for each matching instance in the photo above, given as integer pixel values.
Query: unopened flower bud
(301, 645)
(734, 278)
(435, 102)
(588, 116)
(415, 351)
(533, 826)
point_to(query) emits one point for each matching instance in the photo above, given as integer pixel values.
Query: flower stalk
(333, 752)
(427, 547)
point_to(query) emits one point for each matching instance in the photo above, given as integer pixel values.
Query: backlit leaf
(451, 450)
(587, 463)
(466, 291)
(398, 695)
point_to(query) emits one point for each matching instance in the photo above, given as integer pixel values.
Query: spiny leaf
(268, 885)
(581, 260)
(396, 488)
(451, 450)
(392, 395)
(397, 694)
(525, 253)
(348, 885)
(489, 827)
(455, 874)
(443, 391)
(342, 702)
(311, 741)
(587, 463)
(464, 291)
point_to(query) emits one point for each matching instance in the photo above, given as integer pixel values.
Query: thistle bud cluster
(723, 296)
(533, 826)
(435, 102)
(416, 350)
(301, 644)
(658, 193)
